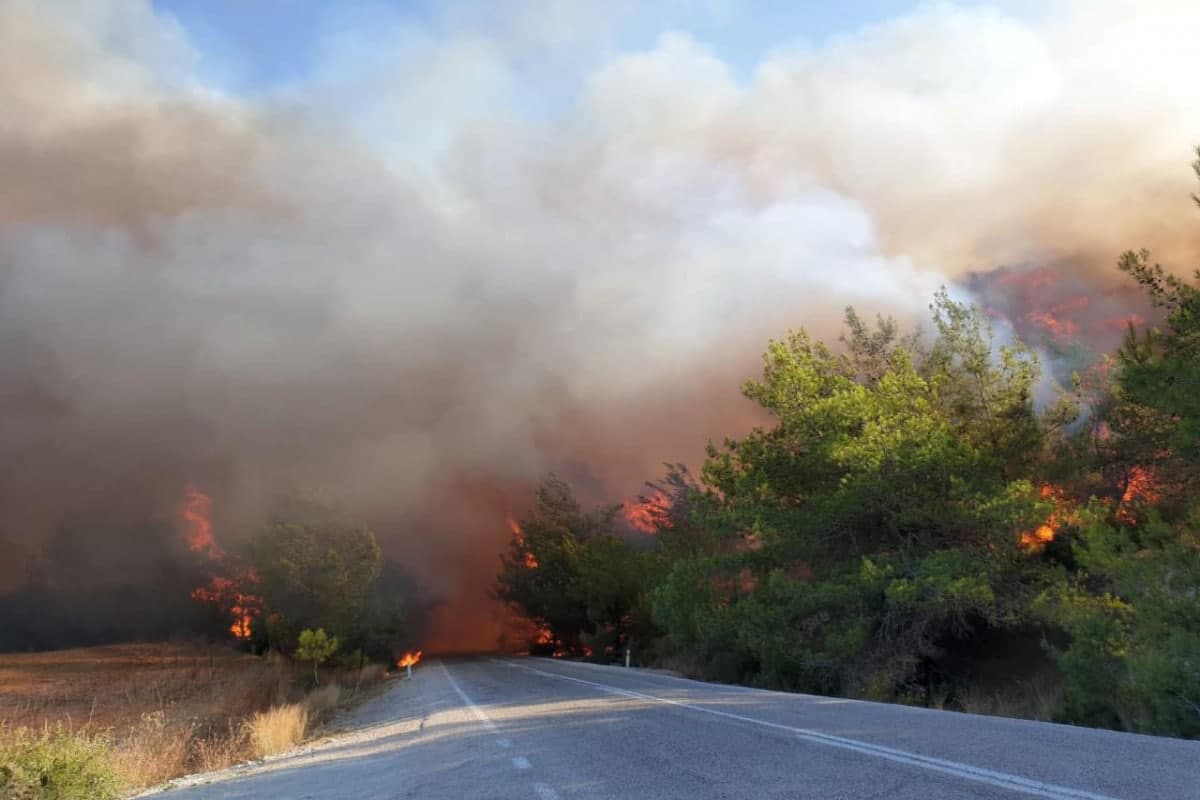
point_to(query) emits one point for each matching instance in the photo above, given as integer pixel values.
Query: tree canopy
(926, 519)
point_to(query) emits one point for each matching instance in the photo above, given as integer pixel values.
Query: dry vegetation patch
(165, 710)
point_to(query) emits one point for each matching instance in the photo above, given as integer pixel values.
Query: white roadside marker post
(409, 668)
(627, 658)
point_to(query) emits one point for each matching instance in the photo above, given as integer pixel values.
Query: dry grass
(168, 709)
(278, 730)
(116, 686)
(371, 673)
(320, 703)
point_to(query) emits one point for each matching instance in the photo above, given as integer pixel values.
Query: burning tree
(232, 589)
(886, 507)
(568, 572)
(317, 570)
(1134, 619)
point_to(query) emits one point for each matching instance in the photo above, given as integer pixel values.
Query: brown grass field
(169, 709)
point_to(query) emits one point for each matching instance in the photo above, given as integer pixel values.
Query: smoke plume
(424, 274)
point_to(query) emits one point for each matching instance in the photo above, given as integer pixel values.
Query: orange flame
(649, 514)
(242, 606)
(1059, 328)
(1141, 487)
(197, 524)
(408, 659)
(528, 558)
(225, 593)
(1042, 535)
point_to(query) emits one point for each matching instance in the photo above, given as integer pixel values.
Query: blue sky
(256, 45)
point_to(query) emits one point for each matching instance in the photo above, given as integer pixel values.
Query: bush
(321, 702)
(278, 730)
(55, 765)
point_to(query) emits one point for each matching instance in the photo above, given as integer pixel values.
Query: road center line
(543, 791)
(965, 771)
(476, 710)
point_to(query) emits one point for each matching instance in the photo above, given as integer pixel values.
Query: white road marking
(543, 791)
(956, 769)
(476, 710)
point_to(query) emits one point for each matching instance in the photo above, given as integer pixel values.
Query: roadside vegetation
(99, 722)
(919, 523)
(319, 617)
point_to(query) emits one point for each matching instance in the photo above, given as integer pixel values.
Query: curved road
(541, 729)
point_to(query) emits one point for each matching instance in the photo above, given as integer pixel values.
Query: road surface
(538, 729)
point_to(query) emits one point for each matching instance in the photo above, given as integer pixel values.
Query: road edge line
(1002, 780)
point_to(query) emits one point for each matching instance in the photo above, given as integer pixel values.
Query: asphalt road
(540, 729)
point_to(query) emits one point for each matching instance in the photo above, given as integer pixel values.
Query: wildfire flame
(649, 513)
(197, 526)
(1140, 487)
(528, 558)
(1058, 328)
(408, 659)
(1042, 535)
(229, 594)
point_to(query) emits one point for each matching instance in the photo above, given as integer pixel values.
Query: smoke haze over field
(424, 273)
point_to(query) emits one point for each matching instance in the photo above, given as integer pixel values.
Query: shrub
(278, 730)
(321, 702)
(55, 765)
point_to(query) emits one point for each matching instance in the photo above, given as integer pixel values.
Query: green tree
(566, 571)
(1131, 608)
(1160, 370)
(883, 507)
(390, 617)
(314, 569)
(614, 579)
(315, 646)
